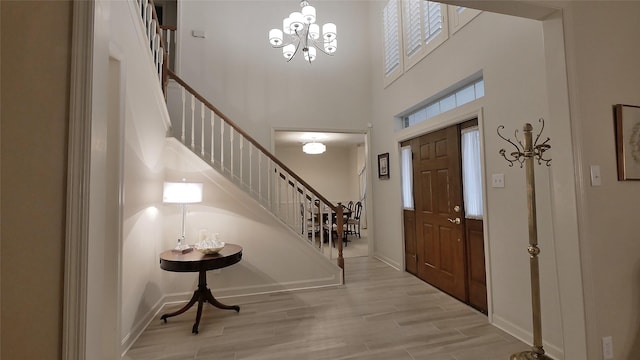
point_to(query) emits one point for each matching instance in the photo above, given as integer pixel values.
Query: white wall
(333, 173)
(119, 35)
(509, 51)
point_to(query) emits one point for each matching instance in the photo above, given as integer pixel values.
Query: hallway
(379, 314)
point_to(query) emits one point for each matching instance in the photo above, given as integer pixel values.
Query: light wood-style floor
(380, 313)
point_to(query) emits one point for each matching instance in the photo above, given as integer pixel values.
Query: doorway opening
(340, 173)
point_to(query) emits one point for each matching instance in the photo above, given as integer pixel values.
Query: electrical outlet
(497, 180)
(607, 348)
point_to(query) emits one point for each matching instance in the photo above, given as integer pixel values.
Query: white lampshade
(297, 21)
(331, 46)
(329, 31)
(275, 37)
(182, 193)
(309, 13)
(310, 54)
(286, 26)
(288, 51)
(314, 31)
(314, 148)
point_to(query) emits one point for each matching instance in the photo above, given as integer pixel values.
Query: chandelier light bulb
(329, 31)
(309, 13)
(297, 22)
(286, 26)
(310, 53)
(288, 51)
(331, 46)
(275, 37)
(314, 31)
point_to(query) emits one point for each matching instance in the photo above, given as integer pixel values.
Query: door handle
(454, 221)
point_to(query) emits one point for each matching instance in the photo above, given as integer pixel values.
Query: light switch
(497, 180)
(198, 33)
(595, 175)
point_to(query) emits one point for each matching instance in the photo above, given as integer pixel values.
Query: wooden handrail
(169, 27)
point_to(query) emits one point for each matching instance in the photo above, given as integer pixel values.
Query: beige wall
(333, 173)
(36, 37)
(603, 71)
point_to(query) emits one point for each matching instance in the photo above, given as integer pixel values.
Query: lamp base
(529, 355)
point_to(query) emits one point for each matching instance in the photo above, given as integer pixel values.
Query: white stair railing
(156, 45)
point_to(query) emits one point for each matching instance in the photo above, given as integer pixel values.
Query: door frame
(440, 122)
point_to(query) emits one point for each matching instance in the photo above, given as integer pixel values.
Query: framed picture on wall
(627, 121)
(383, 166)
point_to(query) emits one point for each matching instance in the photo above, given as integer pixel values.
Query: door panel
(410, 246)
(425, 185)
(442, 192)
(437, 181)
(476, 265)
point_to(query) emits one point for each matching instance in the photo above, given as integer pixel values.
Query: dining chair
(354, 222)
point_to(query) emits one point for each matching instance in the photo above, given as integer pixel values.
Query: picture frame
(627, 128)
(383, 166)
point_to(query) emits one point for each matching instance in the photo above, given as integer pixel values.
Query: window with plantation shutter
(391, 28)
(424, 29)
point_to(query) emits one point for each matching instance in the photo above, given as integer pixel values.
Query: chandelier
(301, 30)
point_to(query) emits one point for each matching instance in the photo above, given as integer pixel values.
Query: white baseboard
(526, 336)
(394, 264)
(139, 327)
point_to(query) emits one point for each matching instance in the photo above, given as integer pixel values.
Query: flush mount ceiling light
(301, 30)
(314, 148)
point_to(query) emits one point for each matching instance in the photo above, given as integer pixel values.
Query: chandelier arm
(297, 47)
(315, 44)
(306, 45)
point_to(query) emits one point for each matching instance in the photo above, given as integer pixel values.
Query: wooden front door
(443, 246)
(438, 209)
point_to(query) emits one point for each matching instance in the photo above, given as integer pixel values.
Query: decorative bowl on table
(209, 247)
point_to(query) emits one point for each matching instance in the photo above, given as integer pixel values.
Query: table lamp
(182, 193)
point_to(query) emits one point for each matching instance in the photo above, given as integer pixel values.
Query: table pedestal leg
(201, 295)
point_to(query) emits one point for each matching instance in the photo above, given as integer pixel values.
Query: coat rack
(524, 154)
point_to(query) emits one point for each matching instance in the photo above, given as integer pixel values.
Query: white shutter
(424, 29)
(391, 30)
(432, 20)
(413, 30)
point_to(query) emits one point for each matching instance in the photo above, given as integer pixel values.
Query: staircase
(222, 144)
